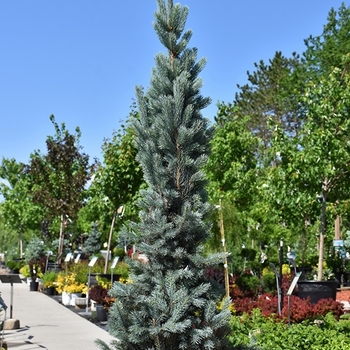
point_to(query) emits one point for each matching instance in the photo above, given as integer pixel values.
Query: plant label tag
(92, 261)
(68, 257)
(114, 262)
(294, 282)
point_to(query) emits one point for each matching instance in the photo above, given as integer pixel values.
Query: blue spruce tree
(170, 304)
(93, 243)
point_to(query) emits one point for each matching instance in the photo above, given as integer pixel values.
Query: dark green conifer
(170, 304)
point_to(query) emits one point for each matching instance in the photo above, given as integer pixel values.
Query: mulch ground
(343, 295)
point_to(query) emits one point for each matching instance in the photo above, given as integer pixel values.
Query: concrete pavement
(45, 323)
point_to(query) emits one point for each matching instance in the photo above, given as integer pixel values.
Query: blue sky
(81, 60)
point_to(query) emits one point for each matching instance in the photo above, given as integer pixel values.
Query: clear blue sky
(81, 60)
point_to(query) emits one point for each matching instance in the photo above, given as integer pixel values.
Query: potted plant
(25, 271)
(49, 282)
(70, 287)
(103, 301)
(98, 273)
(35, 257)
(315, 290)
(15, 265)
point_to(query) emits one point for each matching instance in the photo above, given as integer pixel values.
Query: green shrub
(11, 264)
(269, 282)
(122, 269)
(49, 278)
(25, 271)
(119, 252)
(269, 333)
(15, 264)
(248, 284)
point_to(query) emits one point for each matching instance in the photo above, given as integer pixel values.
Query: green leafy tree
(319, 159)
(8, 237)
(18, 211)
(120, 169)
(119, 179)
(238, 175)
(170, 304)
(241, 158)
(233, 163)
(232, 169)
(59, 178)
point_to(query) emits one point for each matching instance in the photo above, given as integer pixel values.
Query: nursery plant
(35, 257)
(98, 293)
(25, 271)
(49, 279)
(93, 242)
(268, 333)
(170, 304)
(68, 282)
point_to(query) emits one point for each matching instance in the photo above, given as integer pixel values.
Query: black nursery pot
(101, 313)
(317, 290)
(34, 286)
(50, 291)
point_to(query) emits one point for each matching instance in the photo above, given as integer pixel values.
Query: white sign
(114, 262)
(92, 261)
(68, 257)
(338, 243)
(77, 258)
(294, 282)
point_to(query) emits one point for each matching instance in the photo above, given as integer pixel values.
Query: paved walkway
(45, 323)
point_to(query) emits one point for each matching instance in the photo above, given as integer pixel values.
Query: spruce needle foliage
(170, 304)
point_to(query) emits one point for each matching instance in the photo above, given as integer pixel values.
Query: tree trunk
(323, 227)
(61, 239)
(109, 243)
(227, 281)
(337, 227)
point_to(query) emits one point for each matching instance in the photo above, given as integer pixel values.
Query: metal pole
(11, 303)
(280, 273)
(61, 238)
(279, 296)
(321, 246)
(87, 292)
(289, 310)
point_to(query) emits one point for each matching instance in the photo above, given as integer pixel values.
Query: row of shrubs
(302, 325)
(268, 333)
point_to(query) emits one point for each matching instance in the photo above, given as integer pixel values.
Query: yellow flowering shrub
(68, 283)
(286, 269)
(104, 282)
(125, 280)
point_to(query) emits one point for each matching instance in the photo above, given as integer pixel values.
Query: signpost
(279, 290)
(91, 264)
(67, 259)
(290, 291)
(114, 263)
(10, 279)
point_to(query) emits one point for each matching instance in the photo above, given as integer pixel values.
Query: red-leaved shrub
(299, 309)
(328, 305)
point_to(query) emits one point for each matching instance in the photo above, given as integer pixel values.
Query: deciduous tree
(59, 177)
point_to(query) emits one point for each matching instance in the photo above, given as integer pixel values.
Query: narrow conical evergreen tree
(93, 243)
(169, 304)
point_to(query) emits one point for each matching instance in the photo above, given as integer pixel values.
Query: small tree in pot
(35, 257)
